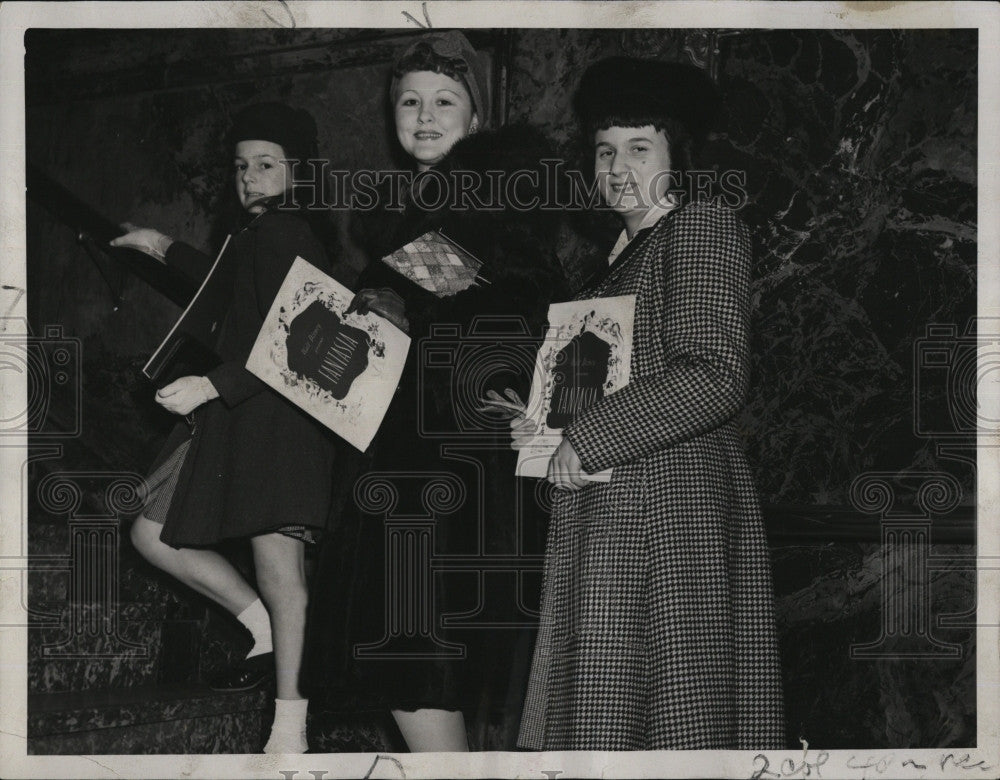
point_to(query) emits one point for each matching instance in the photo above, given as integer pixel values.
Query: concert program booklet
(342, 369)
(586, 355)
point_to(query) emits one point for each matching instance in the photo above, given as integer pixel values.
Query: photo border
(16, 17)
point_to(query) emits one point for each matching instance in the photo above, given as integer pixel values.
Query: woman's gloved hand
(385, 302)
(186, 394)
(510, 406)
(146, 240)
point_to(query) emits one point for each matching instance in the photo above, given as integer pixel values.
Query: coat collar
(653, 215)
(627, 255)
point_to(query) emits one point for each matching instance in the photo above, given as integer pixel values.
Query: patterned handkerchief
(436, 263)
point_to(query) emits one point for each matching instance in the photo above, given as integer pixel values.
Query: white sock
(258, 623)
(288, 732)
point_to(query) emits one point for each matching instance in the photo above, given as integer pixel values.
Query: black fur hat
(631, 92)
(293, 129)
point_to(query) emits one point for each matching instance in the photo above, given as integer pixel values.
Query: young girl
(250, 464)
(657, 627)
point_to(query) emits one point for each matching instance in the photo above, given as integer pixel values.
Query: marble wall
(860, 150)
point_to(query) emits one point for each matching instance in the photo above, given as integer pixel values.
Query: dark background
(859, 149)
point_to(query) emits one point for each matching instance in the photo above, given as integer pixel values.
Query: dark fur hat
(630, 92)
(293, 129)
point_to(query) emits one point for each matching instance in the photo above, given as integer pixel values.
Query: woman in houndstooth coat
(657, 628)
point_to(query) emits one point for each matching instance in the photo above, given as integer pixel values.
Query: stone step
(188, 719)
(182, 719)
(73, 648)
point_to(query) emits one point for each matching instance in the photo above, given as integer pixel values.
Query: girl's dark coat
(256, 462)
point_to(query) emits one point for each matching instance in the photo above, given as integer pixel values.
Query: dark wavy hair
(423, 57)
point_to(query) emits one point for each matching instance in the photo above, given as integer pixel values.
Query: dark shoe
(244, 676)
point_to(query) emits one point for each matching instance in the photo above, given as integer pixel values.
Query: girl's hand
(385, 302)
(186, 394)
(565, 470)
(146, 240)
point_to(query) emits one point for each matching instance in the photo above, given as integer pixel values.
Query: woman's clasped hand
(565, 470)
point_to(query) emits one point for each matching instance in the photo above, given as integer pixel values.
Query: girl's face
(432, 111)
(259, 173)
(632, 166)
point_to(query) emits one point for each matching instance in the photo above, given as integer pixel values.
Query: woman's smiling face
(632, 167)
(259, 173)
(432, 112)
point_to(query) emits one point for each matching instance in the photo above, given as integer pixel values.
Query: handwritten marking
(879, 763)
(378, 758)
(412, 18)
(763, 768)
(788, 767)
(288, 12)
(963, 762)
(13, 305)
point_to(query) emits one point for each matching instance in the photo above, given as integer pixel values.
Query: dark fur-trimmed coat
(657, 628)
(433, 434)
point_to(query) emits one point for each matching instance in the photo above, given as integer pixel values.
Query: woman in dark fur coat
(440, 461)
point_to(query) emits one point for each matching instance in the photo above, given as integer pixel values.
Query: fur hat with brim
(631, 92)
(293, 129)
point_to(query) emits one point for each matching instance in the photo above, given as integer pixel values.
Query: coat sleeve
(702, 318)
(191, 262)
(279, 242)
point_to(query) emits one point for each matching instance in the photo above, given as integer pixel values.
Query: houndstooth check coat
(657, 628)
